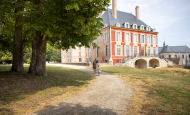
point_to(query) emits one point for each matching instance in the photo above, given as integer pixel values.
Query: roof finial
(164, 43)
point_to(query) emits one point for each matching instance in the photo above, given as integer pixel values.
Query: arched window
(134, 26)
(105, 25)
(162, 56)
(126, 24)
(142, 27)
(118, 25)
(148, 28)
(169, 56)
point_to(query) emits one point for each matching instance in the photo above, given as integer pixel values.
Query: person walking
(99, 70)
(94, 66)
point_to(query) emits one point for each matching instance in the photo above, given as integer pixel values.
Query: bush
(28, 61)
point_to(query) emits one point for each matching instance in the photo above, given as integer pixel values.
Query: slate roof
(122, 17)
(174, 49)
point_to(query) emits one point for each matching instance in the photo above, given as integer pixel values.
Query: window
(127, 39)
(134, 26)
(189, 55)
(70, 60)
(97, 40)
(126, 25)
(97, 52)
(80, 60)
(142, 39)
(154, 30)
(90, 55)
(118, 25)
(142, 27)
(105, 37)
(135, 38)
(105, 25)
(148, 28)
(162, 56)
(175, 56)
(79, 48)
(127, 50)
(148, 51)
(142, 51)
(118, 50)
(106, 61)
(169, 56)
(79, 53)
(154, 51)
(135, 50)
(106, 50)
(154, 39)
(117, 36)
(182, 56)
(148, 39)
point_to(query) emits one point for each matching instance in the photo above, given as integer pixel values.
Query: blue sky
(171, 18)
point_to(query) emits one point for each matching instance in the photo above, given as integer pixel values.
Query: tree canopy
(61, 23)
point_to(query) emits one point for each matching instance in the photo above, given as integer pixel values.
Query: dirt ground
(108, 95)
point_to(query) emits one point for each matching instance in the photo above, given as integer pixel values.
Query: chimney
(114, 8)
(137, 12)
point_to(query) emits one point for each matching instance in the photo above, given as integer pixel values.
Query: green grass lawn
(21, 93)
(164, 91)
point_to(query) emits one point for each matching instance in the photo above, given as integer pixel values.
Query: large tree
(65, 23)
(17, 64)
(62, 23)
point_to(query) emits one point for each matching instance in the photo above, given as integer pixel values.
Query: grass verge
(21, 93)
(164, 91)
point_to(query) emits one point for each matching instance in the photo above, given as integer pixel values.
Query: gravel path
(109, 95)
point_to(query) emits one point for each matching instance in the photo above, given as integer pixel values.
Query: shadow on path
(73, 109)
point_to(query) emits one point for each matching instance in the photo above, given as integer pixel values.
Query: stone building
(77, 55)
(178, 54)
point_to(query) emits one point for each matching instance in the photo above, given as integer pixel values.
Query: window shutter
(125, 37)
(106, 37)
(151, 51)
(115, 50)
(124, 50)
(115, 36)
(137, 39)
(120, 36)
(129, 37)
(121, 50)
(96, 52)
(104, 50)
(137, 50)
(107, 51)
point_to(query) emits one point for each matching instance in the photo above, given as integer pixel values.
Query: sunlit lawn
(21, 93)
(164, 91)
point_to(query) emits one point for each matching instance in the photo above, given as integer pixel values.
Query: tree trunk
(38, 62)
(17, 64)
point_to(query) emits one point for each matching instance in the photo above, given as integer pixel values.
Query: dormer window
(118, 25)
(126, 24)
(148, 28)
(142, 27)
(105, 25)
(154, 30)
(134, 26)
